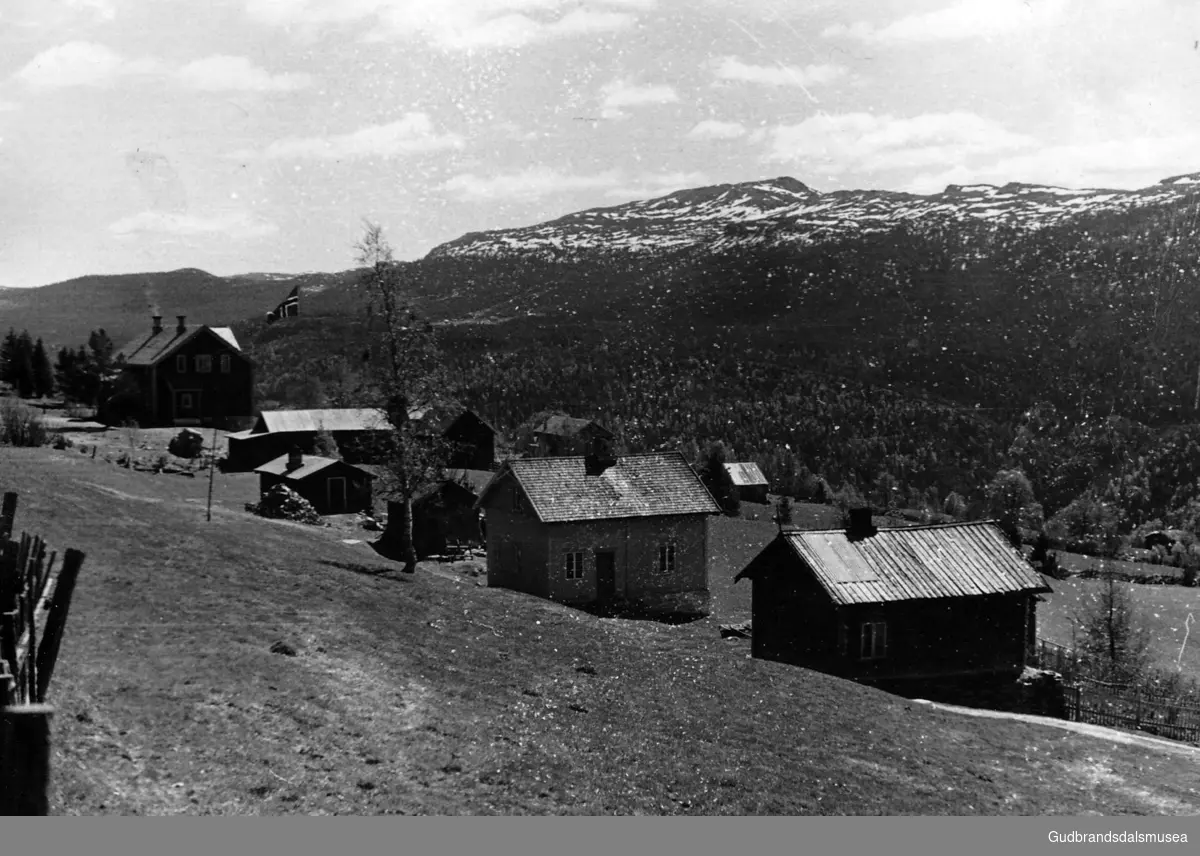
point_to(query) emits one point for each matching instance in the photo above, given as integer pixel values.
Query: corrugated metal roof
(332, 419)
(309, 464)
(746, 475)
(569, 426)
(649, 485)
(916, 562)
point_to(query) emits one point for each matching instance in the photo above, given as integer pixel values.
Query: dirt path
(1103, 732)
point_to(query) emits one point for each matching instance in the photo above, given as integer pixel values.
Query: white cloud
(235, 73)
(649, 186)
(412, 134)
(862, 142)
(102, 10)
(714, 129)
(6, 106)
(453, 24)
(238, 224)
(82, 64)
(732, 68)
(528, 184)
(963, 20)
(622, 93)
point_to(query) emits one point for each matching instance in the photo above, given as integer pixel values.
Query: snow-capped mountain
(784, 209)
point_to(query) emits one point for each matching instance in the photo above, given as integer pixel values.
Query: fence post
(1137, 708)
(8, 513)
(25, 760)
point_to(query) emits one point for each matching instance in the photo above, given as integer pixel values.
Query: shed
(751, 484)
(559, 435)
(276, 432)
(586, 529)
(924, 603)
(330, 486)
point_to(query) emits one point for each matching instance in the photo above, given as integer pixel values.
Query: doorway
(606, 574)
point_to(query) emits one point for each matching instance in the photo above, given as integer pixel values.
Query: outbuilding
(330, 486)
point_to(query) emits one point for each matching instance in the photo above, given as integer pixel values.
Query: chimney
(295, 459)
(860, 525)
(156, 324)
(182, 328)
(595, 464)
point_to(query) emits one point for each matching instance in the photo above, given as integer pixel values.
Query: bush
(21, 425)
(62, 441)
(186, 444)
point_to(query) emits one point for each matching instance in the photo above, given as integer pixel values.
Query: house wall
(752, 493)
(793, 618)
(507, 529)
(315, 489)
(225, 399)
(475, 445)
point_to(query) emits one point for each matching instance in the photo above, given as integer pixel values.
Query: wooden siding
(315, 488)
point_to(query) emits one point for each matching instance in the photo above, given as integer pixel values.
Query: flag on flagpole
(288, 309)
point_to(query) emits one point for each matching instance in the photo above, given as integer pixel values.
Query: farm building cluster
(567, 518)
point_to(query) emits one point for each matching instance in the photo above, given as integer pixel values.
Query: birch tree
(408, 382)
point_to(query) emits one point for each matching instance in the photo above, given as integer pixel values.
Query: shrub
(21, 425)
(62, 441)
(186, 444)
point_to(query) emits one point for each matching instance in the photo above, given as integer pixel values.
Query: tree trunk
(408, 551)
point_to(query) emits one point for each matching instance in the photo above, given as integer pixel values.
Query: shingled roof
(330, 419)
(149, 349)
(911, 563)
(560, 490)
(309, 464)
(568, 426)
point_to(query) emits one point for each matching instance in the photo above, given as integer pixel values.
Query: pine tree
(718, 481)
(43, 372)
(22, 366)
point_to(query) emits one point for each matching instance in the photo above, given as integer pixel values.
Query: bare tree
(1110, 635)
(409, 382)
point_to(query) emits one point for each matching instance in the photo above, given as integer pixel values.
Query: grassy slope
(1164, 609)
(431, 695)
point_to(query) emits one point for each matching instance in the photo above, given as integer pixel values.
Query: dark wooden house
(444, 514)
(585, 528)
(891, 607)
(183, 375)
(560, 435)
(749, 481)
(472, 441)
(276, 432)
(331, 487)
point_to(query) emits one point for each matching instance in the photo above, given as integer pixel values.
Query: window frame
(187, 401)
(181, 363)
(668, 557)
(573, 564)
(226, 363)
(873, 640)
(518, 499)
(204, 364)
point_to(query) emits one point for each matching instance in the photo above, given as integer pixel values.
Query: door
(337, 494)
(606, 574)
(187, 404)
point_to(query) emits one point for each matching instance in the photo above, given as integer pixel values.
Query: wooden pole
(212, 465)
(25, 760)
(8, 513)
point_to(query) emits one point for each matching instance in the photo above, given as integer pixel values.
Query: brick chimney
(182, 328)
(860, 525)
(155, 324)
(295, 460)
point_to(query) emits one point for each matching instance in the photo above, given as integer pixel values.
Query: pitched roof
(476, 480)
(913, 563)
(149, 349)
(568, 426)
(332, 419)
(309, 464)
(649, 485)
(746, 475)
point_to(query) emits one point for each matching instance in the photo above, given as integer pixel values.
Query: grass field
(1163, 608)
(430, 694)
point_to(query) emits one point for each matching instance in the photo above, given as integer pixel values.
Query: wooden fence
(1118, 705)
(35, 597)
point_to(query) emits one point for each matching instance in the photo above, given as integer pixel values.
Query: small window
(181, 364)
(518, 499)
(574, 565)
(185, 400)
(203, 363)
(225, 363)
(666, 558)
(874, 640)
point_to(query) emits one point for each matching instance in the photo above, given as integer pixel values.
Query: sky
(259, 135)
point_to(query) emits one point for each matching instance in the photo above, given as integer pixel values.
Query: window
(225, 362)
(574, 566)
(204, 363)
(185, 400)
(181, 364)
(518, 499)
(666, 558)
(874, 640)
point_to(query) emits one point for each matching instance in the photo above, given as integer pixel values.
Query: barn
(892, 607)
(330, 486)
(561, 435)
(584, 529)
(751, 484)
(276, 432)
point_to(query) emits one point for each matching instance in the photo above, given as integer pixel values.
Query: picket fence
(35, 597)
(1132, 708)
